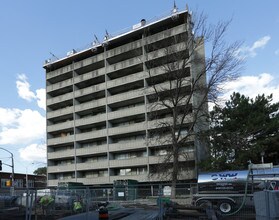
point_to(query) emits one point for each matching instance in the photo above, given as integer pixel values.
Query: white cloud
(252, 50)
(41, 98)
(21, 126)
(25, 129)
(33, 152)
(260, 43)
(8, 116)
(23, 90)
(264, 83)
(276, 52)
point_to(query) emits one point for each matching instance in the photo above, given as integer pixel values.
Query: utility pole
(13, 171)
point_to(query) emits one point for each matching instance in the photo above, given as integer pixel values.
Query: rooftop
(110, 37)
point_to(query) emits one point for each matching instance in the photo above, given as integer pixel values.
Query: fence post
(267, 204)
(160, 202)
(87, 202)
(30, 206)
(35, 206)
(27, 204)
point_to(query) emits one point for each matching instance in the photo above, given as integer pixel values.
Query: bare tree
(179, 99)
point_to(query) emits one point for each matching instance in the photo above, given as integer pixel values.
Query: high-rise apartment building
(98, 106)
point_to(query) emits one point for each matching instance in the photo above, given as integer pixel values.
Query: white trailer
(230, 190)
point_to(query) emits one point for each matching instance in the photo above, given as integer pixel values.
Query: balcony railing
(59, 85)
(127, 79)
(90, 120)
(91, 150)
(60, 112)
(58, 72)
(93, 180)
(60, 126)
(136, 161)
(140, 177)
(167, 33)
(92, 165)
(91, 135)
(126, 112)
(125, 64)
(124, 48)
(60, 140)
(89, 61)
(89, 75)
(61, 98)
(132, 144)
(61, 168)
(60, 154)
(127, 129)
(125, 96)
(90, 105)
(90, 90)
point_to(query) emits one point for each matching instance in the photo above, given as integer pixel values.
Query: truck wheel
(225, 206)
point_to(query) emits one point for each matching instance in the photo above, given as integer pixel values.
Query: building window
(19, 183)
(3, 183)
(131, 171)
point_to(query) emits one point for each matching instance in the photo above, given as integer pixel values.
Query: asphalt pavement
(124, 213)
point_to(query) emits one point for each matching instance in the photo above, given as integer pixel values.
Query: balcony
(124, 48)
(90, 120)
(53, 182)
(60, 154)
(60, 126)
(168, 121)
(131, 145)
(59, 72)
(127, 129)
(92, 165)
(60, 140)
(125, 96)
(90, 105)
(61, 168)
(140, 178)
(92, 181)
(90, 89)
(155, 159)
(127, 112)
(166, 140)
(61, 98)
(189, 156)
(89, 75)
(59, 85)
(126, 79)
(89, 61)
(162, 52)
(125, 64)
(136, 161)
(60, 112)
(91, 150)
(167, 33)
(91, 135)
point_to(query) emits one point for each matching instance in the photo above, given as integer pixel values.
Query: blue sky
(31, 29)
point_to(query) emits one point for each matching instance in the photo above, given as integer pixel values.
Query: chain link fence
(137, 201)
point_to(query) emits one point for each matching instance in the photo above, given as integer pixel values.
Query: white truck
(230, 190)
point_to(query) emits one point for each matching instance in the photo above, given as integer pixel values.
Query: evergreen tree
(243, 130)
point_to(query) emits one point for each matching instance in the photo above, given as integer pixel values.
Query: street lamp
(262, 156)
(12, 166)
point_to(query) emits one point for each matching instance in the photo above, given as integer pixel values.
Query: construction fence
(124, 201)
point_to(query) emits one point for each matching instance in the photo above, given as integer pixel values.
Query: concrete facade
(98, 105)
